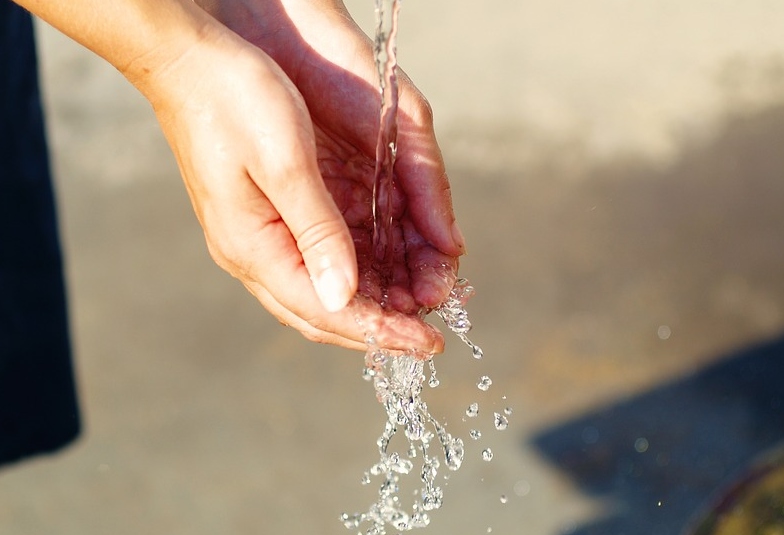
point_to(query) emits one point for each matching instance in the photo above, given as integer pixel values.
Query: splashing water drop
(454, 316)
(484, 383)
(473, 410)
(487, 454)
(500, 421)
(476, 434)
(398, 379)
(433, 382)
(508, 411)
(504, 498)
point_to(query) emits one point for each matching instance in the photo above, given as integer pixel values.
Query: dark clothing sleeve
(38, 408)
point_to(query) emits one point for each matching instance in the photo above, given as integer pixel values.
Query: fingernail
(332, 289)
(457, 236)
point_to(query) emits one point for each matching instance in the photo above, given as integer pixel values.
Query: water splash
(452, 312)
(500, 421)
(433, 381)
(484, 383)
(398, 381)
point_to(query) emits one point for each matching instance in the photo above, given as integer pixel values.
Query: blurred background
(618, 170)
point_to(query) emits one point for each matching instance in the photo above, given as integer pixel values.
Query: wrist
(138, 37)
(167, 44)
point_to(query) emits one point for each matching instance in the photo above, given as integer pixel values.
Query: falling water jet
(398, 379)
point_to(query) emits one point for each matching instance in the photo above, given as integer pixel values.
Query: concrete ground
(618, 171)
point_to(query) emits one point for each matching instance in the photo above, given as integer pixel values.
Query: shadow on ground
(659, 456)
(714, 217)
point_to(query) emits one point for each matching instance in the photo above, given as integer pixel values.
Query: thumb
(327, 249)
(292, 182)
(319, 230)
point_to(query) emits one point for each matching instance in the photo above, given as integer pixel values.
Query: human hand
(330, 60)
(245, 145)
(248, 151)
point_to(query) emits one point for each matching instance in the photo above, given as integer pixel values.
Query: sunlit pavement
(617, 170)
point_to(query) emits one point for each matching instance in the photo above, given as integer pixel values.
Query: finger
(291, 180)
(432, 272)
(261, 252)
(422, 174)
(389, 329)
(289, 319)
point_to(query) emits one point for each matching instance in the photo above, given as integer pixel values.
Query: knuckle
(422, 112)
(313, 237)
(228, 255)
(315, 335)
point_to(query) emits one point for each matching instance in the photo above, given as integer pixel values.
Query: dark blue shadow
(660, 455)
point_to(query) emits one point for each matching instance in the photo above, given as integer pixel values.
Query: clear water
(386, 144)
(484, 383)
(398, 379)
(500, 421)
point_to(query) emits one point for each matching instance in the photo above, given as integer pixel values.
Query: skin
(270, 109)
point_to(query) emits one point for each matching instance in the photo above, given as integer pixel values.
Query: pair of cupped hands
(272, 113)
(276, 138)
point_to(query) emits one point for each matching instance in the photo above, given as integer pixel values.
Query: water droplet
(477, 352)
(430, 470)
(522, 488)
(420, 520)
(664, 332)
(454, 454)
(433, 382)
(500, 421)
(433, 499)
(476, 434)
(484, 383)
(400, 521)
(508, 411)
(487, 454)
(398, 381)
(351, 521)
(504, 498)
(402, 466)
(641, 445)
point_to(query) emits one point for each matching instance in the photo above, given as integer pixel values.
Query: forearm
(138, 37)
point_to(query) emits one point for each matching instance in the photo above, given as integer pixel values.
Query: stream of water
(398, 379)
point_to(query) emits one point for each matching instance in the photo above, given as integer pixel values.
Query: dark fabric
(38, 408)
